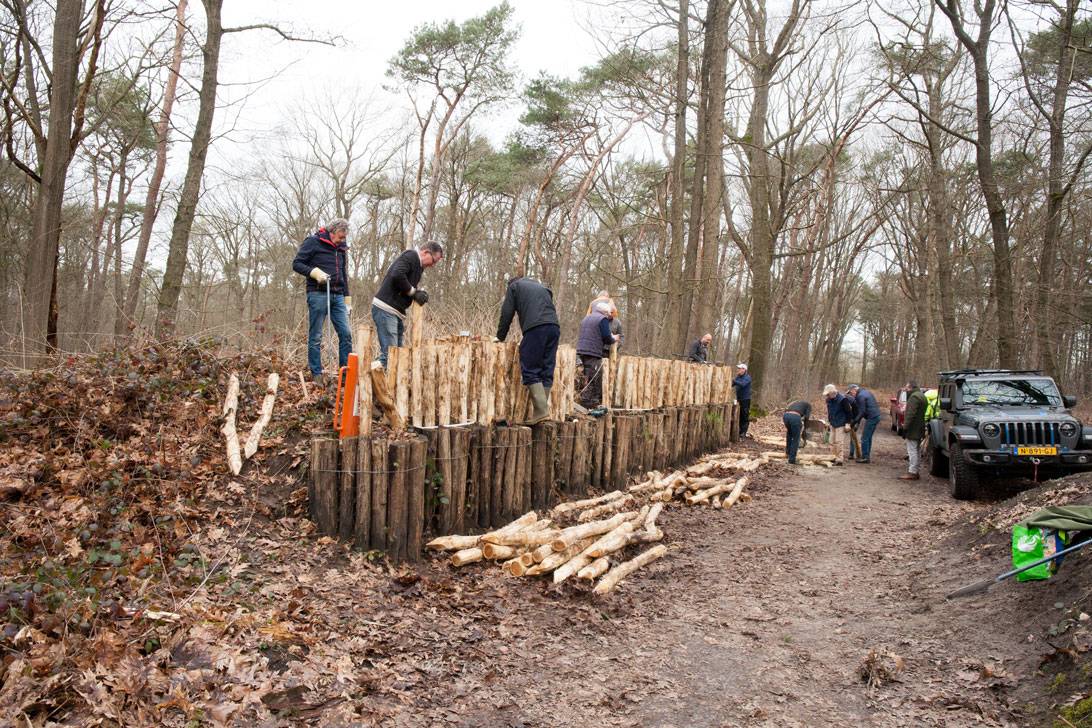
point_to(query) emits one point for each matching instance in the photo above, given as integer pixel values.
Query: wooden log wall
(394, 494)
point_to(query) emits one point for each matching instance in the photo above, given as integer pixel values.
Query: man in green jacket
(914, 429)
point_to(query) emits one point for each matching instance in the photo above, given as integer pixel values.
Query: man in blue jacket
(839, 416)
(868, 410)
(742, 384)
(323, 259)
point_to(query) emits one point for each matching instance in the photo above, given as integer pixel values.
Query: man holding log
(398, 290)
(592, 344)
(534, 304)
(869, 411)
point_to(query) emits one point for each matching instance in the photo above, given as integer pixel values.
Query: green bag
(1031, 544)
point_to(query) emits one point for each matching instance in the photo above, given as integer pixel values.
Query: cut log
(495, 552)
(722, 487)
(623, 570)
(612, 541)
(523, 537)
(382, 396)
(258, 427)
(231, 436)
(562, 508)
(558, 558)
(515, 566)
(458, 543)
(599, 511)
(595, 569)
(542, 552)
(466, 556)
(586, 530)
(735, 494)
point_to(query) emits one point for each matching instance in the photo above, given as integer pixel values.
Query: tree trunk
(762, 239)
(191, 186)
(41, 262)
(717, 41)
(151, 199)
(674, 283)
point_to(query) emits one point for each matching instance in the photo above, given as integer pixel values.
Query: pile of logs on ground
(589, 538)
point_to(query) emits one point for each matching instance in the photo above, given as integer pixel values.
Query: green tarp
(1062, 518)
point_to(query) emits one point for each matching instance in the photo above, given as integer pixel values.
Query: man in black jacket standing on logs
(398, 290)
(534, 303)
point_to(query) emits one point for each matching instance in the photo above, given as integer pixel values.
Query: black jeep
(994, 423)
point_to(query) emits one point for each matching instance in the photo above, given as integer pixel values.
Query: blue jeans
(389, 329)
(794, 425)
(339, 315)
(866, 436)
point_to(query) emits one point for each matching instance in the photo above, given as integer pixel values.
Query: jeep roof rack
(957, 372)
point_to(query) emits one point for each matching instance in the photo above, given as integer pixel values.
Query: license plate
(1036, 451)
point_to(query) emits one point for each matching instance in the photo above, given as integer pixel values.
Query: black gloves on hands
(420, 296)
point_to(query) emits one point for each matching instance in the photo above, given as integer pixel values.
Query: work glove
(846, 428)
(420, 296)
(319, 275)
(348, 304)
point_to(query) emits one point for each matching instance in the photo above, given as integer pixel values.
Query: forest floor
(153, 590)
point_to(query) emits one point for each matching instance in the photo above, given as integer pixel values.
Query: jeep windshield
(1012, 392)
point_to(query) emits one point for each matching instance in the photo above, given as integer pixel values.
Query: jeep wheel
(934, 460)
(961, 474)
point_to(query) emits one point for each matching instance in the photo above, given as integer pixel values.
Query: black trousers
(744, 416)
(591, 396)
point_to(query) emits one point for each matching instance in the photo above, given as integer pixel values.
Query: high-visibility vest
(932, 404)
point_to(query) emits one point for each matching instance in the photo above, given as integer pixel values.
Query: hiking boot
(540, 403)
(910, 476)
(319, 380)
(863, 461)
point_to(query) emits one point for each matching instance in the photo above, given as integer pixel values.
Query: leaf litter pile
(142, 584)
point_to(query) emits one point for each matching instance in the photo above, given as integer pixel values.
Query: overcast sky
(552, 39)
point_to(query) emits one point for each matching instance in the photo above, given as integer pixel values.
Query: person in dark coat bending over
(323, 259)
(398, 290)
(699, 350)
(534, 304)
(796, 419)
(742, 384)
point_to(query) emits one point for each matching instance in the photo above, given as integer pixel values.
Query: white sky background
(552, 39)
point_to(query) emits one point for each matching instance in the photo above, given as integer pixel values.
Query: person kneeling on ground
(796, 419)
(534, 303)
(914, 430)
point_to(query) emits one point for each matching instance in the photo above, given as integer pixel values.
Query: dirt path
(762, 616)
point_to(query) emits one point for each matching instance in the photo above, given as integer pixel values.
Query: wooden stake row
(645, 383)
(386, 494)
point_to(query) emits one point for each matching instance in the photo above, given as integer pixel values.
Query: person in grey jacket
(699, 350)
(592, 344)
(534, 304)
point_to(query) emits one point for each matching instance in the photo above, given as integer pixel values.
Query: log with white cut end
(466, 556)
(457, 543)
(732, 497)
(557, 558)
(595, 569)
(611, 542)
(623, 570)
(522, 537)
(258, 427)
(231, 408)
(562, 508)
(586, 530)
(515, 566)
(496, 552)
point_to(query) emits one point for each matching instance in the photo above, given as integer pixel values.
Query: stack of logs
(601, 528)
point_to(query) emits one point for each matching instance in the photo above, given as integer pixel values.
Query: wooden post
(460, 455)
(565, 435)
(363, 343)
(523, 466)
(324, 452)
(403, 382)
(347, 497)
(595, 452)
(379, 485)
(415, 498)
(608, 449)
(543, 453)
(430, 385)
(502, 498)
(417, 325)
(397, 498)
(486, 450)
(578, 474)
(362, 528)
